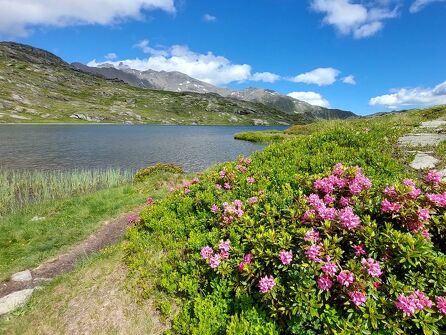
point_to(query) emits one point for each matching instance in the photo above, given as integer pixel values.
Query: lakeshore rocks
(22, 276)
(14, 300)
(423, 161)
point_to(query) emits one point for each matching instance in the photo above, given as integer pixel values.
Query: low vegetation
(292, 242)
(19, 189)
(262, 136)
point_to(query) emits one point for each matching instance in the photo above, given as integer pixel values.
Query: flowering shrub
(301, 250)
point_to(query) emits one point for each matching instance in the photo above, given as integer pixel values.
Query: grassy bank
(39, 231)
(19, 189)
(262, 136)
(225, 299)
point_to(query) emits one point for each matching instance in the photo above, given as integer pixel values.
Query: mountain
(180, 82)
(37, 86)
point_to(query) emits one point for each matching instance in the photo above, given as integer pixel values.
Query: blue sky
(363, 56)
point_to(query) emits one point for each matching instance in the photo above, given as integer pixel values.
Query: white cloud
(321, 76)
(349, 80)
(312, 98)
(209, 18)
(18, 17)
(266, 77)
(111, 56)
(359, 19)
(207, 67)
(412, 97)
(418, 5)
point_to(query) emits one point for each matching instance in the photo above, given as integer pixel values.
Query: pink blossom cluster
(243, 164)
(266, 284)
(150, 201)
(438, 200)
(214, 259)
(411, 303)
(253, 200)
(441, 305)
(286, 257)
(250, 180)
(314, 251)
(359, 249)
(357, 297)
(232, 211)
(312, 235)
(345, 278)
(247, 259)
(324, 283)
(433, 177)
(372, 266)
(133, 218)
(329, 268)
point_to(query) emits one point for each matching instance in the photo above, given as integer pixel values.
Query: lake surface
(67, 147)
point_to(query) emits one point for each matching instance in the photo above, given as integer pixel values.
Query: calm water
(66, 147)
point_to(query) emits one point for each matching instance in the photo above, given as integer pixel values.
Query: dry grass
(93, 299)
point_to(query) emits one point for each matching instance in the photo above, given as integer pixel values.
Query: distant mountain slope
(180, 82)
(37, 86)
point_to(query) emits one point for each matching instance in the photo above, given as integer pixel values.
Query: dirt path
(15, 292)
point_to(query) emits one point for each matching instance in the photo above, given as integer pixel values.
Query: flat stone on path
(415, 140)
(15, 299)
(433, 124)
(423, 161)
(22, 276)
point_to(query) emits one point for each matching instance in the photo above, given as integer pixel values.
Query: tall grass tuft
(22, 188)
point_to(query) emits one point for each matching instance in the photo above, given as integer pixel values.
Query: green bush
(142, 174)
(262, 207)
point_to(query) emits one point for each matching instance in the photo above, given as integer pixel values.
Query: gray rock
(14, 300)
(423, 161)
(426, 139)
(433, 124)
(22, 276)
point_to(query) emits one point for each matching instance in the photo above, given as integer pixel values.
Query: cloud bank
(312, 98)
(18, 17)
(321, 76)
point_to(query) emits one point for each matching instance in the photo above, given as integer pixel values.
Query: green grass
(92, 299)
(267, 136)
(19, 189)
(25, 243)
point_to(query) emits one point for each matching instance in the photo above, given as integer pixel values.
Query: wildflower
(241, 168)
(329, 199)
(133, 218)
(206, 252)
(324, 185)
(357, 297)
(376, 284)
(218, 186)
(327, 213)
(253, 200)
(214, 208)
(441, 305)
(266, 284)
(186, 191)
(329, 268)
(315, 201)
(225, 245)
(433, 177)
(409, 182)
(324, 283)
(313, 252)
(387, 206)
(227, 186)
(437, 199)
(338, 169)
(413, 302)
(425, 233)
(247, 161)
(348, 219)
(344, 201)
(373, 267)
(286, 257)
(390, 191)
(345, 278)
(247, 259)
(420, 299)
(195, 180)
(414, 193)
(222, 173)
(423, 214)
(250, 180)
(214, 261)
(355, 188)
(149, 201)
(309, 215)
(359, 250)
(312, 235)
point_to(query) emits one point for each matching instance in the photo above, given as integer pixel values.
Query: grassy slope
(44, 94)
(25, 243)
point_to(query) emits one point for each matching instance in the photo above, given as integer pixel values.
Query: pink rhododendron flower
(409, 182)
(338, 169)
(348, 219)
(413, 302)
(437, 199)
(218, 186)
(329, 199)
(423, 214)
(149, 201)
(225, 245)
(314, 252)
(389, 207)
(344, 201)
(247, 259)
(390, 191)
(314, 201)
(195, 180)
(309, 215)
(266, 284)
(286, 257)
(357, 297)
(433, 177)
(359, 249)
(414, 193)
(425, 233)
(373, 267)
(328, 213)
(345, 278)
(312, 235)
(355, 188)
(133, 218)
(324, 283)
(441, 305)
(253, 200)
(186, 191)
(206, 252)
(250, 180)
(232, 211)
(214, 261)
(214, 208)
(376, 284)
(329, 268)
(227, 186)
(222, 173)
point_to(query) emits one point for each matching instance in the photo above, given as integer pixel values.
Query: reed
(19, 189)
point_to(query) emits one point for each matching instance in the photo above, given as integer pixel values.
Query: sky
(365, 56)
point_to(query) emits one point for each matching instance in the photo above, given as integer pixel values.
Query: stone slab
(22, 276)
(423, 161)
(14, 300)
(425, 139)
